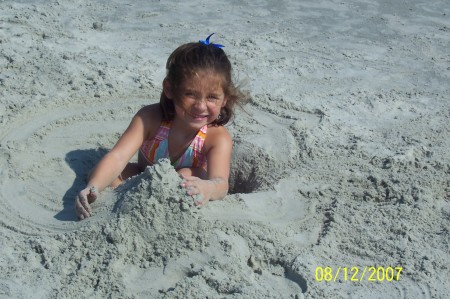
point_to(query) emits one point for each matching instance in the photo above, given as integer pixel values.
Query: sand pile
(156, 215)
(156, 230)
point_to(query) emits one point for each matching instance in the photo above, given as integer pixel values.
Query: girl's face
(198, 99)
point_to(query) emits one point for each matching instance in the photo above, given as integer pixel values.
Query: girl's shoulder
(217, 135)
(152, 111)
(151, 118)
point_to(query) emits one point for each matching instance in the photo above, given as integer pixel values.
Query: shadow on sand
(81, 161)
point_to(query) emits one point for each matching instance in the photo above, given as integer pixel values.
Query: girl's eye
(213, 98)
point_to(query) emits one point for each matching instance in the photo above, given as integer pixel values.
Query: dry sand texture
(341, 159)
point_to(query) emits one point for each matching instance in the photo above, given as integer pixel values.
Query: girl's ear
(167, 89)
(224, 101)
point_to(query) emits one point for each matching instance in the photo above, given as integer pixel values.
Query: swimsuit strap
(163, 131)
(199, 139)
(156, 148)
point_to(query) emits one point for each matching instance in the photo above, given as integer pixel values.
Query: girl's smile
(199, 117)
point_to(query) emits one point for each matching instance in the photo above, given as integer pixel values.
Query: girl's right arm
(112, 164)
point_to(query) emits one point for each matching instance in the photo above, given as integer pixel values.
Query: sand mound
(156, 219)
(157, 231)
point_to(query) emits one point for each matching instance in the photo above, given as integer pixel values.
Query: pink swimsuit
(158, 148)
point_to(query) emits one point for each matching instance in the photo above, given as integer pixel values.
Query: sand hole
(251, 169)
(261, 156)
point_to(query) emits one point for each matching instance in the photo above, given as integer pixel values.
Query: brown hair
(192, 57)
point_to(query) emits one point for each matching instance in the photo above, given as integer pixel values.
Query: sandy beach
(340, 178)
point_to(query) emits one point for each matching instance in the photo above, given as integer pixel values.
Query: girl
(186, 126)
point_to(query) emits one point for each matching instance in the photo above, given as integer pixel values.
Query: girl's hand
(197, 186)
(83, 200)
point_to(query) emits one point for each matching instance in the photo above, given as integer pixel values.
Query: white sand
(341, 159)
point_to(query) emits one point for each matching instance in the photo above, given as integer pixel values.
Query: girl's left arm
(215, 186)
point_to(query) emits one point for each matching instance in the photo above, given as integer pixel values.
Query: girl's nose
(200, 103)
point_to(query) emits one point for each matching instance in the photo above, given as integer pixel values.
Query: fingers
(192, 190)
(83, 200)
(191, 186)
(195, 186)
(190, 181)
(81, 212)
(199, 203)
(82, 207)
(85, 204)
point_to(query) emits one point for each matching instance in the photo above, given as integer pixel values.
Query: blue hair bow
(206, 42)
